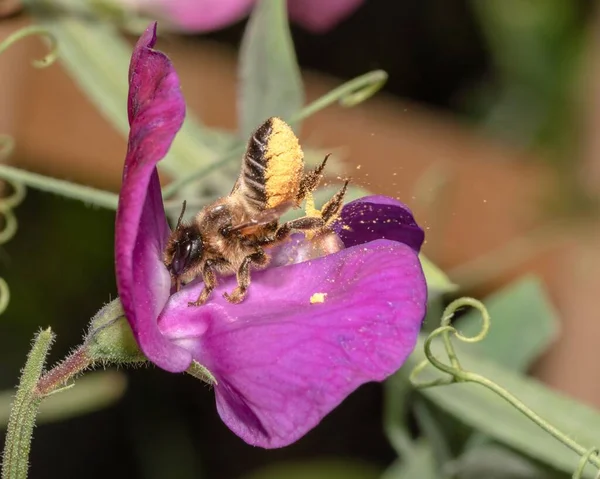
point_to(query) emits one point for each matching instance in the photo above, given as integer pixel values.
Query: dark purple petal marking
(156, 111)
(378, 217)
(283, 363)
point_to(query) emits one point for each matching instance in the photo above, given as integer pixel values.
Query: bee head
(184, 249)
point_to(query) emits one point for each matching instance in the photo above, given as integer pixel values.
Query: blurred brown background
(499, 195)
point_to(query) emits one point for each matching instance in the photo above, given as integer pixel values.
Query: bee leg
(210, 281)
(243, 276)
(301, 224)
(311, 180)
(333, 207)
(327, 215)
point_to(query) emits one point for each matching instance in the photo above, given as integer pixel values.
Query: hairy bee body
(228, 236)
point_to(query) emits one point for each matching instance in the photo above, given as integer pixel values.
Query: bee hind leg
(210, 281)
(311, 180)
(324, 218)
(243, 276)
(333, 207)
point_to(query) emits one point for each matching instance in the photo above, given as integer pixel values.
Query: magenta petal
(378, 217)
(283, 363)
(156, 111)
(321, 15)
(200, 15)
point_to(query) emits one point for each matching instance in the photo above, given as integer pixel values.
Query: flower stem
(75, 363)
(24, 410)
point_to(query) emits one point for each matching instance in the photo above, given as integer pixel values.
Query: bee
(229, 235)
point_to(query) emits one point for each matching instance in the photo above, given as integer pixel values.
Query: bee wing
(263, 218)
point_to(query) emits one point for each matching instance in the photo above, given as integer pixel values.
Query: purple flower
(207, 15)
(281, 361)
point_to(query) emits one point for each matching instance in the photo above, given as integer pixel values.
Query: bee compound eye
(186, 252)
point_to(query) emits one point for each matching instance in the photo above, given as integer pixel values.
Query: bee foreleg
(210, 281)
(243, 276)
(311, 180)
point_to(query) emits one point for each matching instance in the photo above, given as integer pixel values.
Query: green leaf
(494, 461)
(524, 324)
(97, 58)
(437, 281)
(397, 391)
(271, 84)
(318, 469)
(420, 464)
(483, 410)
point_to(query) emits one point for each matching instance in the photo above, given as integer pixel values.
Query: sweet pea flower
(281, 361)
(207, 15)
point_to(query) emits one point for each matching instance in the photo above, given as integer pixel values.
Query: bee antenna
(180, 215)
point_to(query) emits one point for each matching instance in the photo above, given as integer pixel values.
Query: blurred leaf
(318, 469)
(91, 392)
(437, 281)
(536, 49)
(483, 410)
(270, 77)
(433, 431)
(420, 464)
(397, 391)
(97, 58)
(493, 461)
(521, 307)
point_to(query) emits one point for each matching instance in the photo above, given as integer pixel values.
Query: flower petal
(319, 16)
(282, 363)
(378, 217)
(196, 15)
(156, 111)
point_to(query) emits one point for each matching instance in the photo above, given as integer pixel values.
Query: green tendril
(348, 94)
(585, 458)
(30, 31)
(8, 229)
(457, 374)
(4, 295)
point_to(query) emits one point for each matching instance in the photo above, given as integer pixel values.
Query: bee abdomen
(273, 165)
(255, 166)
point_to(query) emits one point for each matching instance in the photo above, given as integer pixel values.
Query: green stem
(176, 185)
(77, 362)
(104, 199)
(529, 413)
(348, 94)
(24, 410)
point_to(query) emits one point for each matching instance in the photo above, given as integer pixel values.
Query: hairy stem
(24, 410)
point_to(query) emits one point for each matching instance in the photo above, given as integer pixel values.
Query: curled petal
(318, 15)
(282, 361)
(378, 217)
(156, 111)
